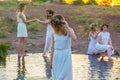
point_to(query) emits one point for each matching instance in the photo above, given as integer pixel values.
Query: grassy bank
(79, 17)
(13, 4)
(4, 46)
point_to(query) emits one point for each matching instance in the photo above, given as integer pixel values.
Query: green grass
(4, 46)
(8, 5)
(13, 4)
(34, 27)
(116, 27)
(7, 25)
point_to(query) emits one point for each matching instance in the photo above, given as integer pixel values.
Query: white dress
(105, 38)
(62, 63)
(21, 29)
(48, 42)
(92, 46)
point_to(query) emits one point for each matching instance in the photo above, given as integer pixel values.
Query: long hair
(21, 7)
(58, 25)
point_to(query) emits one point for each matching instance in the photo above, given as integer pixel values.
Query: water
(35, 67)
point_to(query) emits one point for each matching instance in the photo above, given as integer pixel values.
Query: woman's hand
(34, 20)
(112, 47)
(66, 24)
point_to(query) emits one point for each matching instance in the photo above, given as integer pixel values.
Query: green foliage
(13, 4)
(8, 5)
(83, 19)
(28, 16)
(34, 27)
(3, 27)
(99, 22)
(80, 2)
(7, 25)
(4, 46)
(87, 29)
(116, 27)
(2, 34)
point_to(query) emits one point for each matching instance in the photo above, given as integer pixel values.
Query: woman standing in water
(49, 32)
(61, 63)
(21, 29)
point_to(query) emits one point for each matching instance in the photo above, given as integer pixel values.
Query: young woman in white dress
(49, 32)
(21, 29)
(104, 43)
(93, 40)
(60, 62)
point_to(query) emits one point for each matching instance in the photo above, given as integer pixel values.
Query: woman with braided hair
(60, 62)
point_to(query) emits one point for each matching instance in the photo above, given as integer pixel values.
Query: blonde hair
(58, 25)
(21, 7)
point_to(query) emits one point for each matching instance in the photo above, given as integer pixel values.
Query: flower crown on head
(50, 11)
(56, 21)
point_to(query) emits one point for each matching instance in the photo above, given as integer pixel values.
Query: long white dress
(62, 63)
(92, 46)
(105, 38)
(48, 42)
(21, 29)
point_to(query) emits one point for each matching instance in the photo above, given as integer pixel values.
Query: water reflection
(99, 69)
(21, 69)
(48, 71)
(2, 62)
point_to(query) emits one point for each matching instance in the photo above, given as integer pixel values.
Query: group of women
(100, 42)
(58, 41)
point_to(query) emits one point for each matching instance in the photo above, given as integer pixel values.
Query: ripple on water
(34, 67)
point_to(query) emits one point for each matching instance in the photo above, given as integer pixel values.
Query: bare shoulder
(20, 14)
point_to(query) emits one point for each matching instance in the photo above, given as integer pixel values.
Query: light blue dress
(62, 63)
(48, 43)
(105, 38)
(92, 46)
(21, 29)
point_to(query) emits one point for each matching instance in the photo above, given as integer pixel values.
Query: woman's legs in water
(21, 46)
(109, 53)
(24, 44)
(48, 45)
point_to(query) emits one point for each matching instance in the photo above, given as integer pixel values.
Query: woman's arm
(43, 22)
(93, 35)
(99, 39)
(71, 31)
(25, 21)
(110, 41)
(52, 52)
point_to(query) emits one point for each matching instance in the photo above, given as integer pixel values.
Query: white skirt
(103, 48)
(21, 30)
(62, 65)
